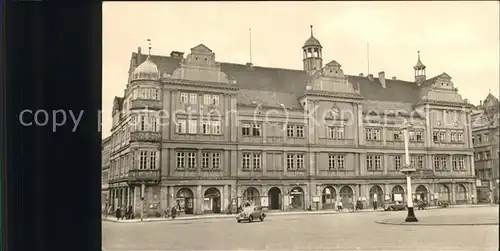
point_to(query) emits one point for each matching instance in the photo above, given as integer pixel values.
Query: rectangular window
(437, 163)
(256, 161)
(192, 98)
(152, 162)
(192, 126)
(412, 136)
(181, 157)
(205, 160)
(369, 162)
(460, 137)
(378, 162)
(331, 132)
(245, 130)
(206, 99)
(181, 126)
(246, 161)
(479, 139)
(299, 131)
(289, 131)
(419, 136)
(340, 162)
(142, 123)
(205, 127)
(435, 136)
(420, 161)
(454, 163)
(256, 130)
(331, 161)
(300, 161)
(216, 127)
(397, 162)
(156, 94)
(372, 134)
(444, 162)
(184, 98)
(486, 138)
(143, 160)
(216, 160)
(453, 136)
(191, 160)
(442, 136)
(339, 133)
(215, 100)
(289, 161)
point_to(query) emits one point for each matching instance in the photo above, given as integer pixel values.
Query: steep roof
(266, 83)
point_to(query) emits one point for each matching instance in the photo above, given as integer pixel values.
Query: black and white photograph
(300, 125)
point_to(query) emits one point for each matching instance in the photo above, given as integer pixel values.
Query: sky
(459, 38)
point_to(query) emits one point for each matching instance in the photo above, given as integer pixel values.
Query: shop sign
(295, 192)
(315, 198)
(264, 201)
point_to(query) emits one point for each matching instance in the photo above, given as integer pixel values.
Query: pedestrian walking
(174, 212)
(118, 213)
(375, 205)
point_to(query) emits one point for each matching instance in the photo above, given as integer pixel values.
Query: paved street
(346, 231)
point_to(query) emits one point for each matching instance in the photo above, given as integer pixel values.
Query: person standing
(118, 213)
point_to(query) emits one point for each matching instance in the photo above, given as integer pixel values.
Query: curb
(321, 212)
(435, 224)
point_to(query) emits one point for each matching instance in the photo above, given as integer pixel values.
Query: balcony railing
(143, 177)
(146, 104)
(145, 136)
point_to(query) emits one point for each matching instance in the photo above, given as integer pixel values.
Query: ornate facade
(485, 133)
(281, 138)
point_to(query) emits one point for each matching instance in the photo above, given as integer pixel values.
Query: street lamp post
(143, 188)
(408, 171)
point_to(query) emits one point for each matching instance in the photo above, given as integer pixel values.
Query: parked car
(250, 214)
(396, 206)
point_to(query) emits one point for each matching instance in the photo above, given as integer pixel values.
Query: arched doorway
(274, 195)
(444, 193)
(421, 193)
(184, 200)
(297, 198)
(211, 201)
(329, 196)
(460, 194)
(346, 195)
(398, 193)
(252, 196)
(376, 194)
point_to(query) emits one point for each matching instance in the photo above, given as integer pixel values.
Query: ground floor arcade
(212, 196)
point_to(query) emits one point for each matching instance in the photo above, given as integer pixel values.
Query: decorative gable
(441, 88)
(200, 65)
(331, 78)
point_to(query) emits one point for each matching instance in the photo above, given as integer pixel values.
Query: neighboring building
(485, 132)
(106, 150)
(203, 163)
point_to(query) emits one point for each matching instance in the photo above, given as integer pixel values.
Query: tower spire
(311, 30)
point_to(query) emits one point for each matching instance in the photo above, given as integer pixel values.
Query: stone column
(123, 190)
(307, 197)
(198, 201)
(450, 162)
(472, 167)
(384, 135)
(164, 198)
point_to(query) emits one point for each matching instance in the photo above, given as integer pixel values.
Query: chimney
(370, 77)
(381, 78)
(177, 54)
(394, 78)
(138, 57)
(249, 64)
(361, 75)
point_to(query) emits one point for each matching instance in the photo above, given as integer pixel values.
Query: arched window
(444, 192)
(252, 196)
(460, 194)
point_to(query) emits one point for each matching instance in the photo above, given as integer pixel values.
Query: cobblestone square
(345, 231)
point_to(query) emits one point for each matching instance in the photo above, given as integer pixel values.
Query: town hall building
(201, 135)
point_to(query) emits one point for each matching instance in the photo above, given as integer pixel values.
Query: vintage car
(396, 206)
(250, 214)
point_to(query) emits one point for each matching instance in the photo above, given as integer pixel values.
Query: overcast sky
(459, 38)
